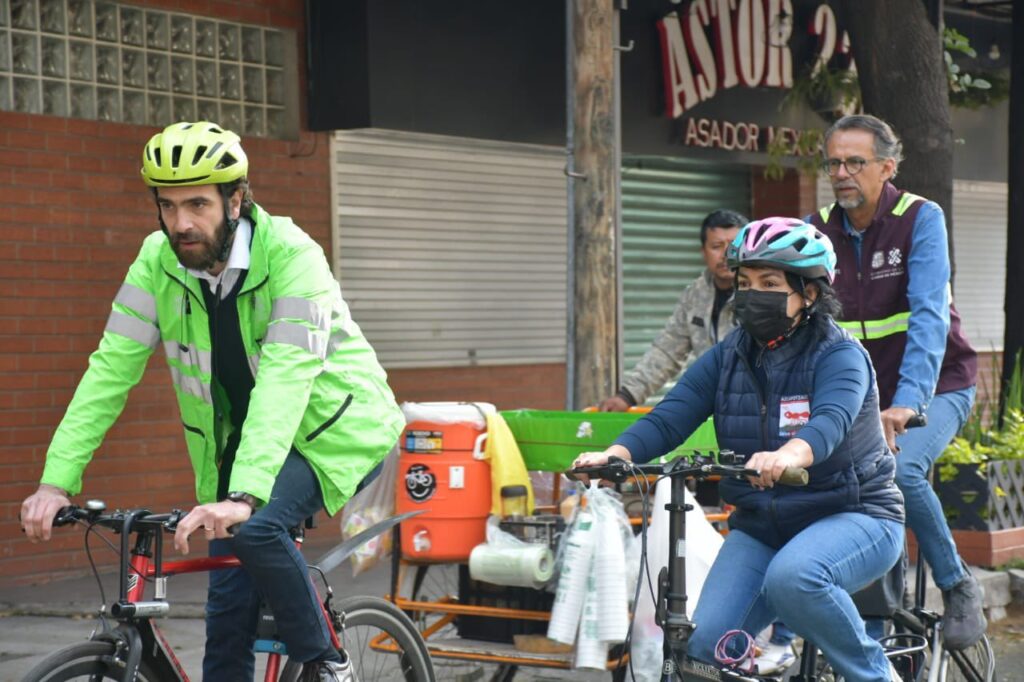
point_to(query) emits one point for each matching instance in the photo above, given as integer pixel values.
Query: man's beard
(850, 202)
(209, 252)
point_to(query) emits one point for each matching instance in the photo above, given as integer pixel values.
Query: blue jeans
(271, 567)
(919, 449)
(807, 584)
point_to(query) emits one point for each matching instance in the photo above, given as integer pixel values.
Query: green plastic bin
(550, 440)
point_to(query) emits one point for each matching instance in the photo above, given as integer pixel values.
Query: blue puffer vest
(856, 477)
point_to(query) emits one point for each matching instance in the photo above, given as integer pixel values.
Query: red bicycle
(381, 641)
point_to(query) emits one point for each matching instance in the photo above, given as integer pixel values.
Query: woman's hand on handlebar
(38, 510)
(589, 459)
(795, 453)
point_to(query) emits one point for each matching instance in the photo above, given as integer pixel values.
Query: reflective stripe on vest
(905, 202)
(141, 331)
(825, 212)
(865, 330)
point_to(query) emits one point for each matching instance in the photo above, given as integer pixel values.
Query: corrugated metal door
(451, 251)
(979, 242)
(664, 201)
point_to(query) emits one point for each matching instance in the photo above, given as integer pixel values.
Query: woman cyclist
(790, 388)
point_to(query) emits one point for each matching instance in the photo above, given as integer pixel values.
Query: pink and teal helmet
(787, 244)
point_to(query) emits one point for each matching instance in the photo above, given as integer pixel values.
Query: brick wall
(793, 195)
(74, 214)
(540, 387)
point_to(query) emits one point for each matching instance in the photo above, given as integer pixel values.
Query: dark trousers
(272, 568)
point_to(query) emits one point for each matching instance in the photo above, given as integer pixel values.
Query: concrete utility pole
(593, 364)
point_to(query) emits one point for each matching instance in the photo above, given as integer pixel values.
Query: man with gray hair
(893, 279)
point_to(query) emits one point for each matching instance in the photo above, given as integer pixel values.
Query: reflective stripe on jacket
(318, 385)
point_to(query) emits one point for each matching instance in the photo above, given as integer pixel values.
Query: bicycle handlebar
(618, 470)
(93, 513)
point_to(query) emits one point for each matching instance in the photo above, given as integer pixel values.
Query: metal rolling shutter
(979, 243)
(451, 251)
(664, 201)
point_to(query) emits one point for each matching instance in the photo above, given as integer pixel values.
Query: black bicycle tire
(377, 612)
(82, 658)
(959, 659)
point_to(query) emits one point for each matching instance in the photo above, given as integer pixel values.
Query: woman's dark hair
(826, 306)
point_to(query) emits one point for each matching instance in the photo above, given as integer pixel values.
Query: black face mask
(762, 314)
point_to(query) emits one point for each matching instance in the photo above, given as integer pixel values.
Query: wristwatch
(239, 496)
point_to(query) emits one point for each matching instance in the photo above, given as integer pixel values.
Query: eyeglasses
(854, 165)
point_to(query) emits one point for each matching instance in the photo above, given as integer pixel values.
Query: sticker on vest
(887, 264)
(794, 412)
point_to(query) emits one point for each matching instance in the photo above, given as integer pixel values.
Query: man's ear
(235, 204)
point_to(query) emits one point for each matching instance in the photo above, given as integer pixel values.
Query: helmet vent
(800, 244)
(226, 161)
(156, 156)
(198, 155)
(175, 155)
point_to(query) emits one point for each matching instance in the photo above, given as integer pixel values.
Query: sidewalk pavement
(35, 620)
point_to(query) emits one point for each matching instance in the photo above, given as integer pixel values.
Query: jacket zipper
(335, 417)
(192, 429)
(761, 397)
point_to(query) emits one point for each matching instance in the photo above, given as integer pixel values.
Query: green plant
(833, 93)
(988, 436)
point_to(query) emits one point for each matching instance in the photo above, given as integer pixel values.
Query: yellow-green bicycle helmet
(186, 154)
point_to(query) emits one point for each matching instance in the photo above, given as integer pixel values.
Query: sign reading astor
(713, 45)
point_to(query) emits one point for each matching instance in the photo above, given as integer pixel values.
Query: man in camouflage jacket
(703, 315)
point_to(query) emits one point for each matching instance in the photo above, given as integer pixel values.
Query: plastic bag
(507, 466)
(702, 545)
(372, 504)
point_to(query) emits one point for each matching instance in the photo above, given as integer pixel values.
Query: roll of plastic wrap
(609, 569)
(572, 581)
(519, 566)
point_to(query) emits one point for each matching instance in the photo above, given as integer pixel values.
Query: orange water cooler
(441, 470)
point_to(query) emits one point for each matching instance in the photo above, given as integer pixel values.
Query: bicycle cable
(95, 572)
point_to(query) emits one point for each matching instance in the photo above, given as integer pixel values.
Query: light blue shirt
(928, 292)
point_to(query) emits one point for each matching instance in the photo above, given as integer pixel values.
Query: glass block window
(119, 62)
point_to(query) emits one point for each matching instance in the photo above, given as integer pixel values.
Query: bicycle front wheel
(84, 661)
(976, 663)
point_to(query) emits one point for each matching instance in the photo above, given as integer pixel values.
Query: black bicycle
(915, 645)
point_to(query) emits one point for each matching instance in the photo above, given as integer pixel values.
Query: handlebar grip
(794, 476)
(916, 421)
(65, 516)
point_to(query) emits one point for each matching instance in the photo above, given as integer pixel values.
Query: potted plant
(980, 481)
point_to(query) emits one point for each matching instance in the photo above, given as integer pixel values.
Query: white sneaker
(775, 658)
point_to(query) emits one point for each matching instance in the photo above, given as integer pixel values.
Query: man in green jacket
(283, 403)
